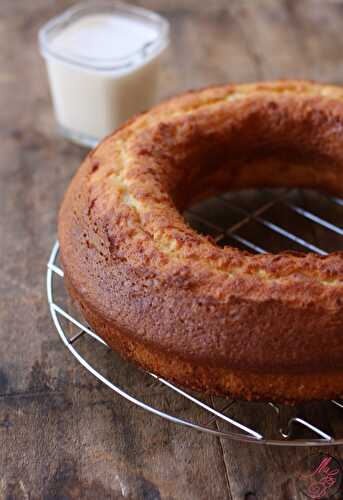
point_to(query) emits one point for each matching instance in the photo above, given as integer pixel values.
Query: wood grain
(64, 435)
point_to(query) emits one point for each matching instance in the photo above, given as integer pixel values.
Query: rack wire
(260, 221)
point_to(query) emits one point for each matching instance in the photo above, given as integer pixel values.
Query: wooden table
(63, 434)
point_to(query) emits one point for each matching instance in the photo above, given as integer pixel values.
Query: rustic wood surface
(63, 434)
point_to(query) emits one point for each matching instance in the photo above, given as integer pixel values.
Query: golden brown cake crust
(215, 319)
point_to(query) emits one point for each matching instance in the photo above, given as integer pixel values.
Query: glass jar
(103, 62)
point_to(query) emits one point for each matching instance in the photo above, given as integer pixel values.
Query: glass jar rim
(138, 57)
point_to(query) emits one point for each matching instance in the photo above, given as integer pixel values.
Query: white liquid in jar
(100, 74)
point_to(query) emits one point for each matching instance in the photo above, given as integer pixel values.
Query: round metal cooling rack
(290, 426)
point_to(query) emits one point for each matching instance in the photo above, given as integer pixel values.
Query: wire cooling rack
(260, 221)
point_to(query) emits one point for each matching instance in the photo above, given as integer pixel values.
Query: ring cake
(213, 319)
